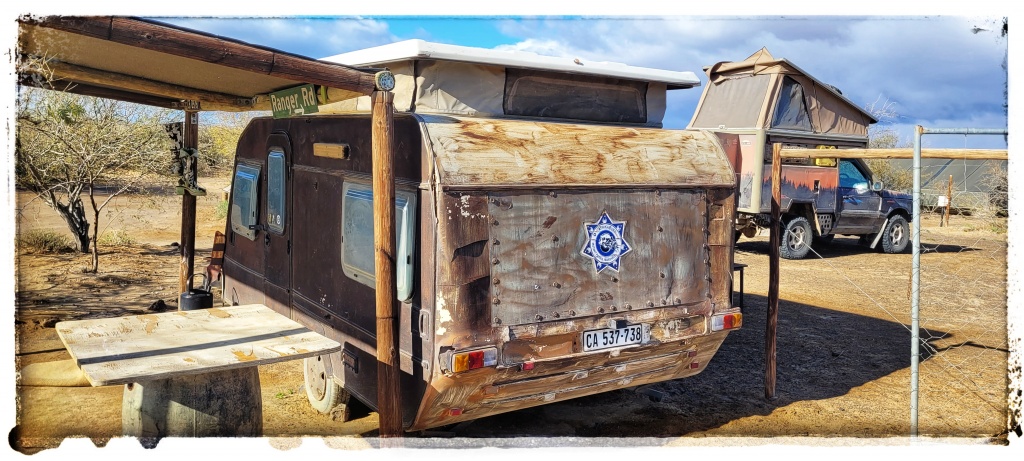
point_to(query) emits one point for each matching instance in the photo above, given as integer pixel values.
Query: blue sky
(937, 71)
(940, 66)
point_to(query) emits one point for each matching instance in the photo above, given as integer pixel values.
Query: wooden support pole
(773, 274)
(389, 402)
(949, 198)
(187, 248)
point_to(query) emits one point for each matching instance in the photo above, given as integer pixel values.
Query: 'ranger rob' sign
(299, 100)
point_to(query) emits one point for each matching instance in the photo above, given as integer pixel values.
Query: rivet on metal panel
(494, 222)
(657, 192)
(496, 301)
(664, 302)
(497, 281)
(615, 280)
(555, 315)
(615, 308)
(496, 242)
(660, 229)
(572, 313)
(554, 238)
(600, 310)
(539, 317)
(556, 284)
(662, 274)
(494, 201)
(552, 194)
(678, 301)
(628, 306)
(649, 304)
(497, 321)
(495, 261)
(536, 286)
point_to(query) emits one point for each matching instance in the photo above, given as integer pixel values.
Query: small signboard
(942, 200)
(299, 100)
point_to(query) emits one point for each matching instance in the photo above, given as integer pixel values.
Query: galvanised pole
(915, 282)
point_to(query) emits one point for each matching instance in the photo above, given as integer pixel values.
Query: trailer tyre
(896, 235)
(323, 393)
(796, 238)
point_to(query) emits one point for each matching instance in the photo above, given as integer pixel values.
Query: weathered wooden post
(949, 198)
(389, 394)
(187, 247)
(773, 274)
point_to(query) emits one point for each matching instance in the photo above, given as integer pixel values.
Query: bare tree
(882, 135)
(71, 149)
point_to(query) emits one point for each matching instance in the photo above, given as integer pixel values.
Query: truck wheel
(796, 239)
(321, 390)
(896, 235)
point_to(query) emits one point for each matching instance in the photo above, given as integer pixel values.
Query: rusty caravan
(553, 241)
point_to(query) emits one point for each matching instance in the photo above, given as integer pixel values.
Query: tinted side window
(244, 196)
(849, 174)
(277, 171)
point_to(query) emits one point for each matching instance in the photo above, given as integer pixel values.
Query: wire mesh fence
(962, 376)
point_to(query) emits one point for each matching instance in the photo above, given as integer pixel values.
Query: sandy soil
(843, 345)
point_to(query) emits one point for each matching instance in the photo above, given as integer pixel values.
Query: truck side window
(277, 172)
(244, 195)
(849, 174)
(357, 236)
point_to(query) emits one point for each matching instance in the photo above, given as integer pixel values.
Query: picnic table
(189, 373)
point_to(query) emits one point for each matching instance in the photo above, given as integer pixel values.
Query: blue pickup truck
(755, 103)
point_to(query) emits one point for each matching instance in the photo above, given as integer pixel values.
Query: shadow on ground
(813, 362)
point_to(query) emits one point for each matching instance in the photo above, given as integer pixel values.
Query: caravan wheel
(321, 390)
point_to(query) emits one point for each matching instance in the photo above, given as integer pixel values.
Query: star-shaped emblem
(605, 243)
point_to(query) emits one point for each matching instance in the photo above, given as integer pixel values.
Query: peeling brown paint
(218, 313)
(243, 357)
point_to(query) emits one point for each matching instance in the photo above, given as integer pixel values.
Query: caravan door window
(276, 192)
(357, 236)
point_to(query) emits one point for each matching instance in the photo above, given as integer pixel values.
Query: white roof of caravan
(419, 49)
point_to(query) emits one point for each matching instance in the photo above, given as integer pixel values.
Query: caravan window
(791, 109)
(277, 171)
(357, 236)
(532, 93)
(244, 195)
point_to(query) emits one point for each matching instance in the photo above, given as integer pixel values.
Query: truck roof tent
(456, 80)
(762, 92)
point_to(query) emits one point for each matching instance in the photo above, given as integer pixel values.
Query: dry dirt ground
(843, 346)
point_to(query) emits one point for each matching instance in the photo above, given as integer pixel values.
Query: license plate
(613, 337)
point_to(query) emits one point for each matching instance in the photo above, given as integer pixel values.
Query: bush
(45, 241)
(222, 210)
(893, 176)
(118, 237)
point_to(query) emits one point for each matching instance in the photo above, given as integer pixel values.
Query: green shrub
(45, 241)
(119, 237)
(222, 210)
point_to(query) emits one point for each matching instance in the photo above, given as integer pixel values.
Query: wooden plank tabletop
(156, 346)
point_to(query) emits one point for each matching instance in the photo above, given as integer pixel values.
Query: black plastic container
(195, 299)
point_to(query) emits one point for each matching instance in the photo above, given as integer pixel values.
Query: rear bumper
(484, 392)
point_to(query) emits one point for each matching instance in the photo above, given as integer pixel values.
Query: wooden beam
(100, 92)
(389, 395)
(130, 84)
(906, 153)
(187, 248)
(775, 239)
(165, 38)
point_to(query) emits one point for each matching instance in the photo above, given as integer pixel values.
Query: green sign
(299, 100)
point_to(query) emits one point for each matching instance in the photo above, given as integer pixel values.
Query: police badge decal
(605, 244)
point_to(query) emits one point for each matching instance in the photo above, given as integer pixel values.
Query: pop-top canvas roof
(763, 92)
(419, 49)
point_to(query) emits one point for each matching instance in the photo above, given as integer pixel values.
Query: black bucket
(195, 299)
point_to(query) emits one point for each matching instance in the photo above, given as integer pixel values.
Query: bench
(738, 267)
(189, 373)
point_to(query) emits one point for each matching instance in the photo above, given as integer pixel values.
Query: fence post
(915, 282)
(775, 240)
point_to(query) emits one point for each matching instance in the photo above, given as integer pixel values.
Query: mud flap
(879, 235)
